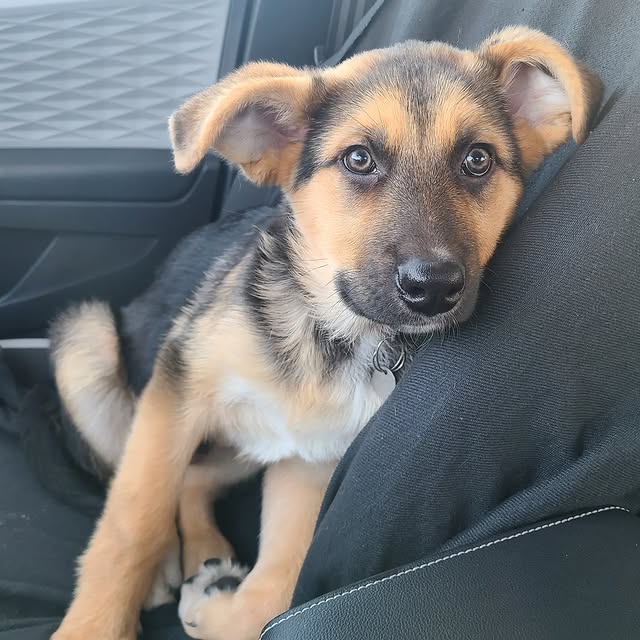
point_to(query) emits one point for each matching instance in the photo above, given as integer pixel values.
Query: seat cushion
(573, 577)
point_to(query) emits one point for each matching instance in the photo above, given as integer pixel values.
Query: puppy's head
(403, 166)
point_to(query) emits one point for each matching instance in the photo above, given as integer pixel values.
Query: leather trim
(431, 563)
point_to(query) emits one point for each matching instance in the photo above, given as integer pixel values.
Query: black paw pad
(212, 562)
(226, 583)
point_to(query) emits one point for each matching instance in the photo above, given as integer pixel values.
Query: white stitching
(437, 561)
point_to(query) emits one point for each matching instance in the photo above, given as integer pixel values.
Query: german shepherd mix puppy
(401, 168)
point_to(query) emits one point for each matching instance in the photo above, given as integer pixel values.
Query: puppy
(400, 169)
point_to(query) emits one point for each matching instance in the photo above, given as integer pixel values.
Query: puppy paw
(215, 577)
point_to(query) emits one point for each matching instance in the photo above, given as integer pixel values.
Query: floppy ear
(550, 96)
(256, 118)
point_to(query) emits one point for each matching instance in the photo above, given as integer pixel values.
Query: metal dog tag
(383, 383)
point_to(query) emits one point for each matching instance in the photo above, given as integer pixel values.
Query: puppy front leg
(211, 474)
(201, 538)
(293, 492)
(138, 524)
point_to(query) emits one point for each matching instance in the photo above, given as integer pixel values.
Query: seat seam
(431, 563)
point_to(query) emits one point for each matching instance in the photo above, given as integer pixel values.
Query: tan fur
(288, 95)
(489, 215)
(353, 67)
(384, 112)
(538, 142)
(335, 237)
(201, 537)
(137, 528)
(514, 45)
(168, 576)
(489, 229)
(227, 348)
(273, 167)
(203, 483)
(457, 111)
(225, 358)
(519, 44)
(87, 367)
(141, 506)
(293, 492)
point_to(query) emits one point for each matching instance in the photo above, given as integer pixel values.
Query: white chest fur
(261, 428)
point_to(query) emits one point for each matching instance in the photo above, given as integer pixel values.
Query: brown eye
(477, 162)
(359, 160)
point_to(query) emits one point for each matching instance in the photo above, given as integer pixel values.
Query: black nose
(430, 286)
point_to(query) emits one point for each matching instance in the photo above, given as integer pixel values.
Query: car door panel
(100, 232)
(90, 204)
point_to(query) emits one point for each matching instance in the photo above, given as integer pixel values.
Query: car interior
(91, 205)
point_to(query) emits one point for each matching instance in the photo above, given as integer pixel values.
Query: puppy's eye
(477, 162)
(359, 160)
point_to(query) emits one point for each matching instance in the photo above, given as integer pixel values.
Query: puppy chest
(259, 425)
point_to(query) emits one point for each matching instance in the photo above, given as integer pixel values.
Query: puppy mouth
(436, 323)
(432, 324)
(391, 313)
